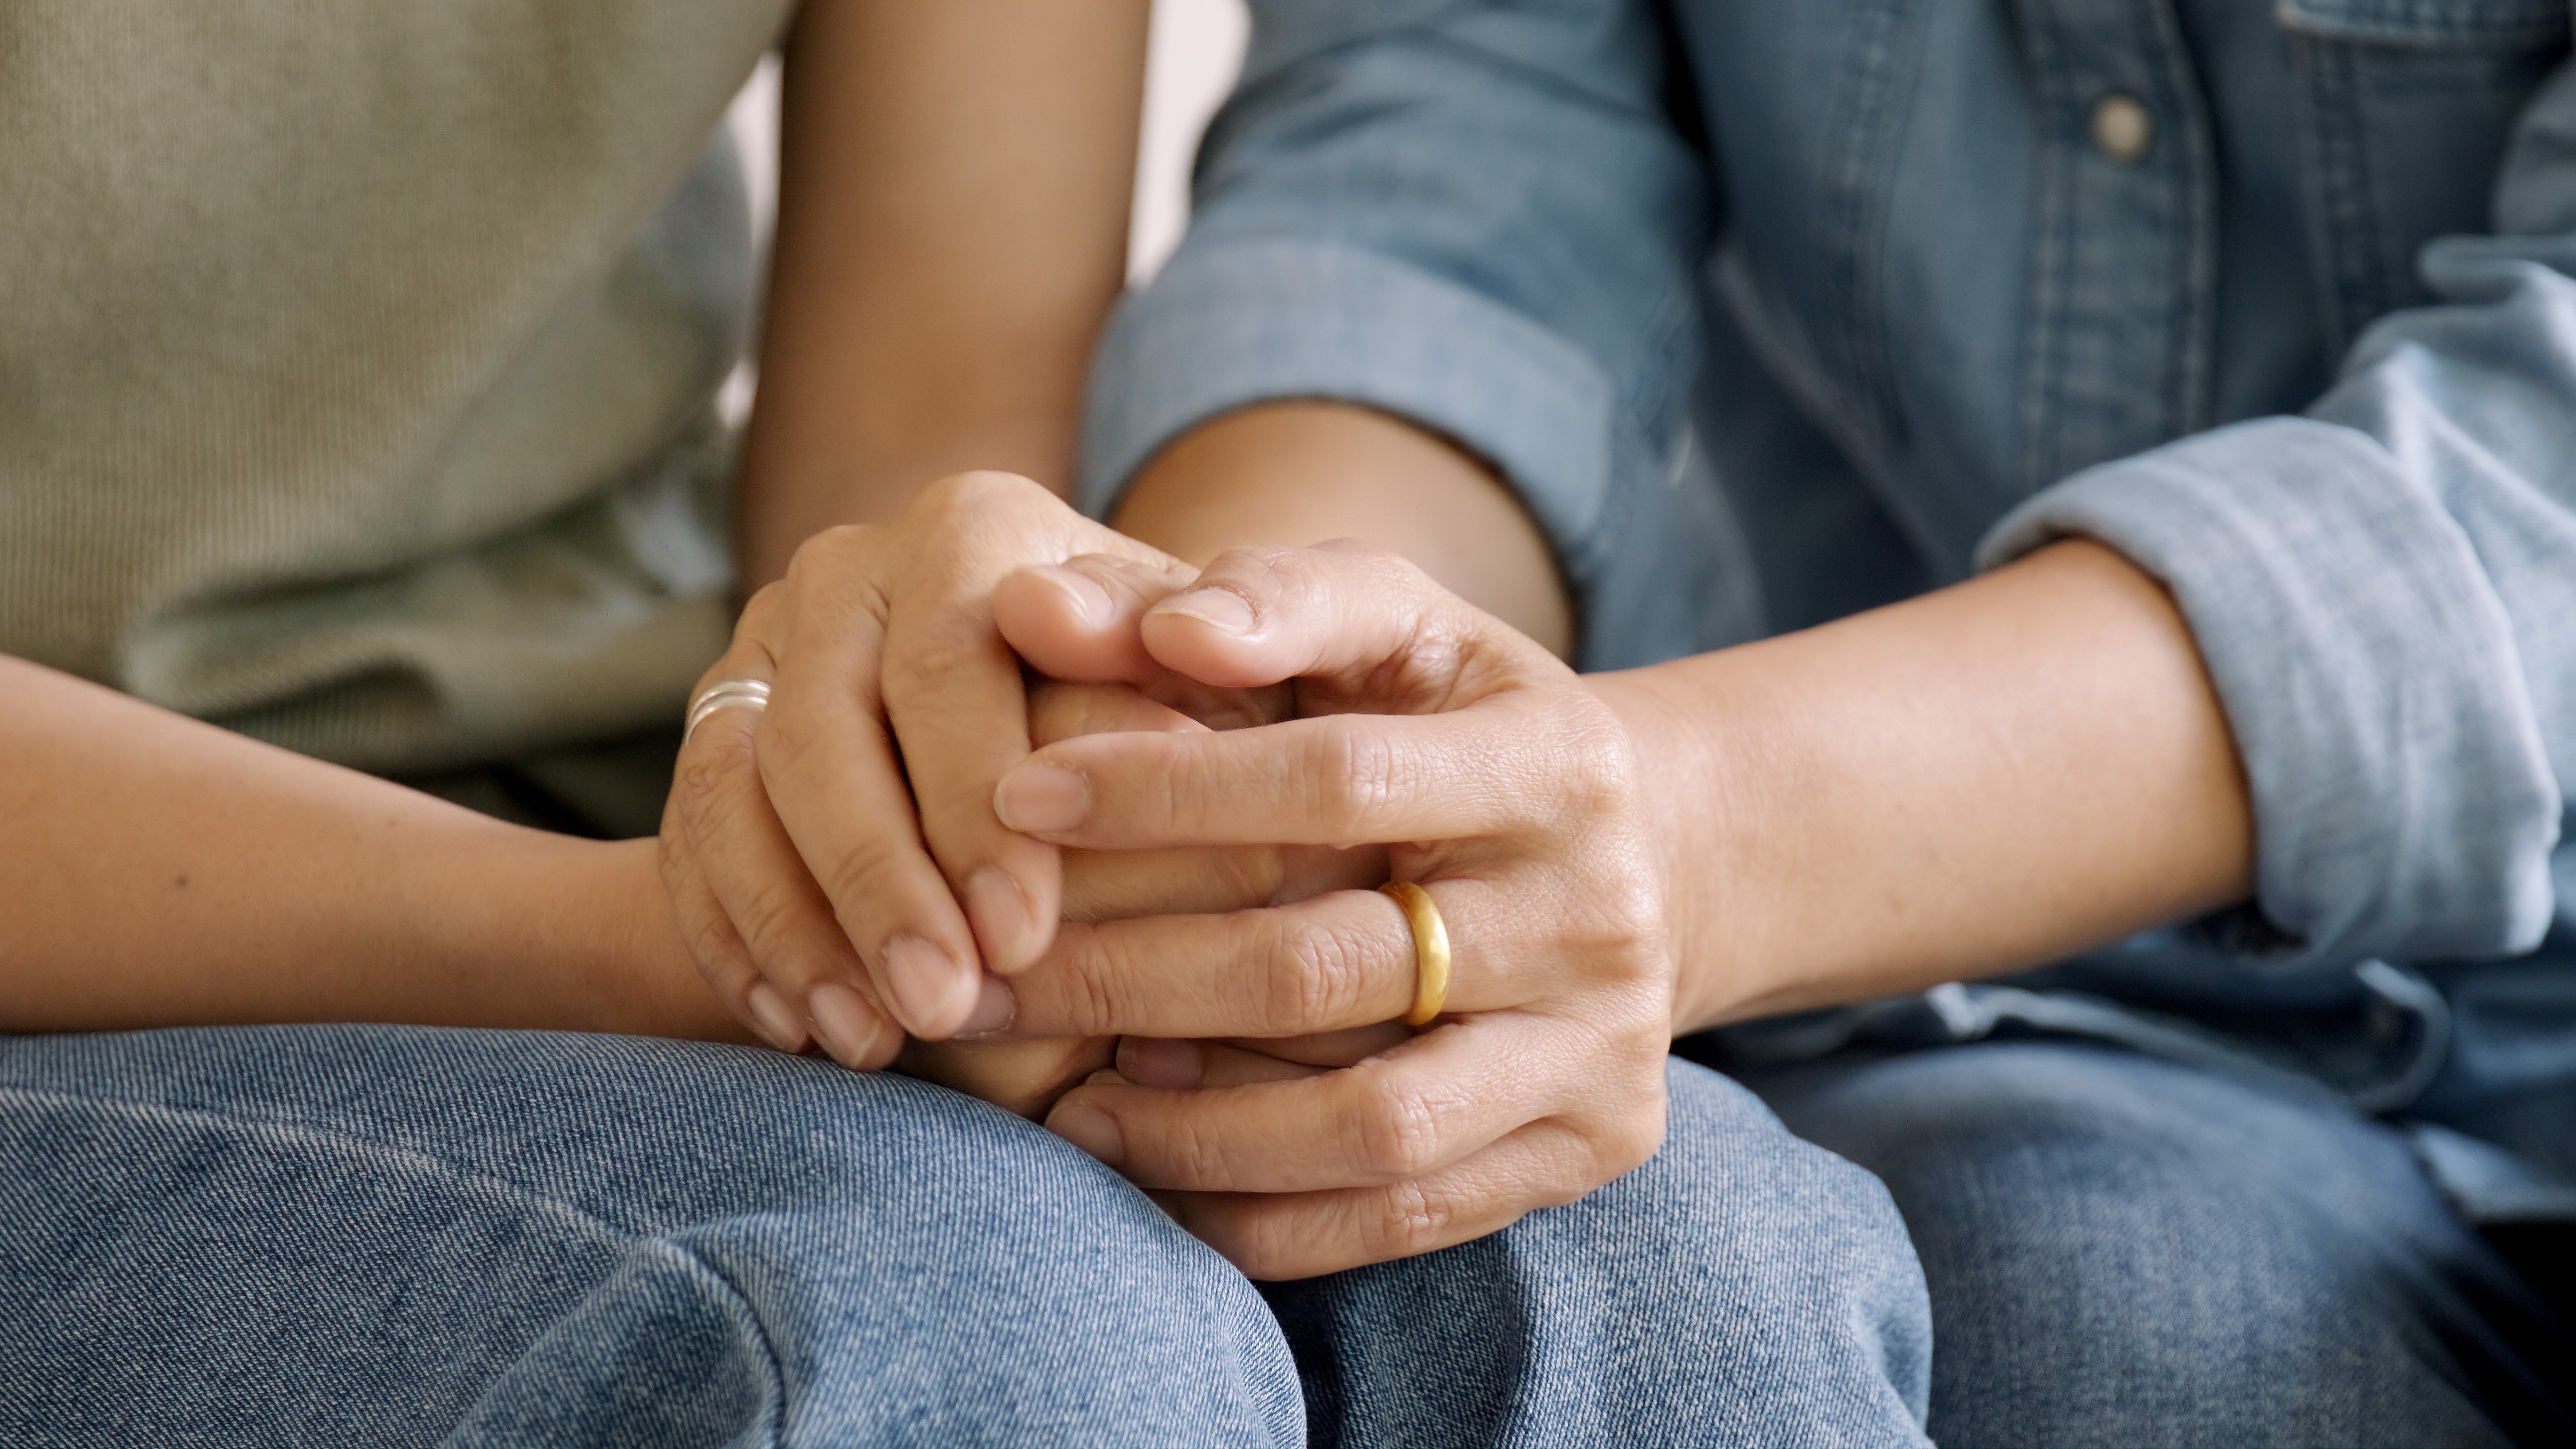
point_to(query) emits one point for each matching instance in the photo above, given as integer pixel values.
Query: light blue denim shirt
(1771, 311)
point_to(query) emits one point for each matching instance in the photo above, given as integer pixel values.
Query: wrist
(1702, 796)
(639, 977)
(553, 933)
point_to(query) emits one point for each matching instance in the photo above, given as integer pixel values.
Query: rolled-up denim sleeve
(2384, 591)
(1477, 216)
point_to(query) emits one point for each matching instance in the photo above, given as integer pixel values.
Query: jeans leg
(2125, 1251)
(1740, 1288)
(339, 1235)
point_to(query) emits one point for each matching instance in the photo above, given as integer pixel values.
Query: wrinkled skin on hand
(1494, 778)
(1028, 1077)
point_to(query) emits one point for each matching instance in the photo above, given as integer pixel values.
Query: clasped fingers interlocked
(1501, 787)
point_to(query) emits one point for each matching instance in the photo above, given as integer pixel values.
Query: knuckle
(1599, 774)
(673, 859)
(909, 670)
(766, 921)
(1194, 1158)
(1250, 560)
(1091, 995)
(703, 774)
(1401, 1129)
(827, 555)
(966, 501)
(1316, 976)
(1360, 776)
(1264, 1245)
(756, 623)
(713, 784)
(861, 869)
(1627, 1144)
(719, 956)
(1416, 1218)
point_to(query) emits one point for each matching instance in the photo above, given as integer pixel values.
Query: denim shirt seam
(1870, 125)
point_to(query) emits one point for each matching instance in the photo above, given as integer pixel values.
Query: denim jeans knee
(378, 1235)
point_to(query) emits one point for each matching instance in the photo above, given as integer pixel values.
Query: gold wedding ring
(1430, 949)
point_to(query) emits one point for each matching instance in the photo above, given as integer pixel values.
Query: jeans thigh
(379, 1236)
(2122, 1250)
(1742, 1287)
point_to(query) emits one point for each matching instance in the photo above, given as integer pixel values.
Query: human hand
(1028, 1076)
(819, 902)
(1499, 783)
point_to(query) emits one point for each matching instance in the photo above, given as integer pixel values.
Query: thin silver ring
(750, 694)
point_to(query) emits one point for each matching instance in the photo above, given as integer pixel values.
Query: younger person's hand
(833, 857)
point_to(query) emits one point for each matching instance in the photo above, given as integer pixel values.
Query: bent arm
(1977, 780)
(952, 229)
(163, 872)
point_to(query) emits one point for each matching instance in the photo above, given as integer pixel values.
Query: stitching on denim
(1868, 140)
(2346, 226)
(2193, 395)
(2052, 246)
(2427, 24)
(2308, 124)
(423, 1164)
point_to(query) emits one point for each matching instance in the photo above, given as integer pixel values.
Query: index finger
(953, 694)
(1340, 780)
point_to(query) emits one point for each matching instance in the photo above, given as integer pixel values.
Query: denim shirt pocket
(2405, 108)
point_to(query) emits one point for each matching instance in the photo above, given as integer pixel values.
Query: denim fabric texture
(388, 1236)
(1771, 312)
(2125, 1251)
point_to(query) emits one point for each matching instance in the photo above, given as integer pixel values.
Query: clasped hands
(1131, 884)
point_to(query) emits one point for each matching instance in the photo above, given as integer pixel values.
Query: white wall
(1197, 51)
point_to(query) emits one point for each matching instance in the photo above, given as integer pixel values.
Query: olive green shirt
(357, 362)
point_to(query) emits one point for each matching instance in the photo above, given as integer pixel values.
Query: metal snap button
(2123, 127)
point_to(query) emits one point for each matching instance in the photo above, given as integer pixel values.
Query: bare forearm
(159, 872)
(1984, 778)
(1981, 779)
(953, 200)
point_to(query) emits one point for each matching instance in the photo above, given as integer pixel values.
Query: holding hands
(1264, 1086)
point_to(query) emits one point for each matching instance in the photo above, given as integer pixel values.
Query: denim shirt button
(2123, 128)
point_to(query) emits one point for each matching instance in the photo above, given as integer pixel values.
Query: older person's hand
(1499, 783)
(1028, 1077)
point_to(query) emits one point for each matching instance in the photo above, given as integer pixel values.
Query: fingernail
(1090, 1129)
(777, 1021)
(1004, 925)
(1154, 1062)
(844, 1023)
(1220, 609)
(922, 978)
(1042, 798)
(1089, 600)
(995, 1009)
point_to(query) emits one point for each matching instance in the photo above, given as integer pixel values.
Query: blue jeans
(2125, 1251)
(379, 1236)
